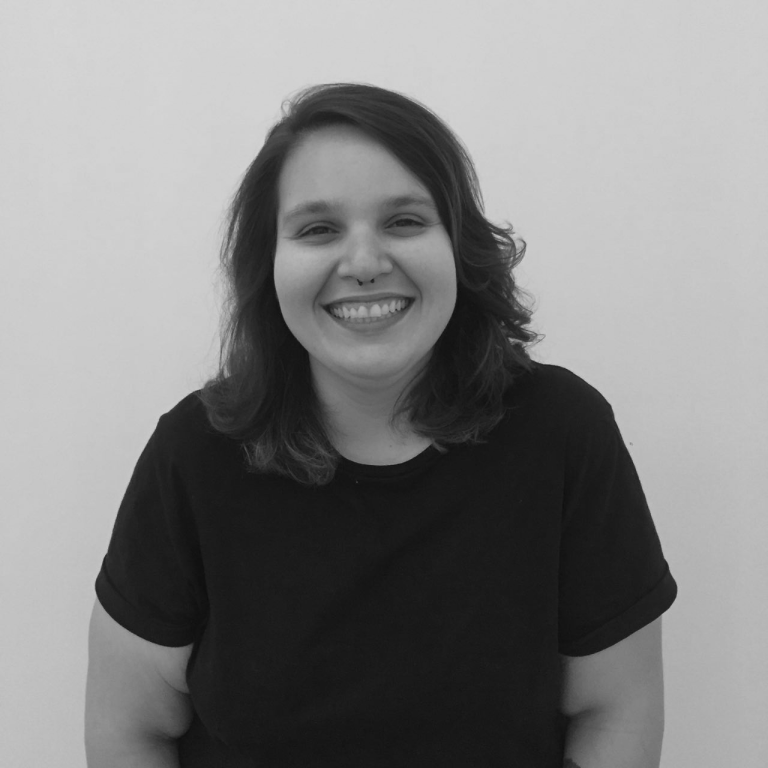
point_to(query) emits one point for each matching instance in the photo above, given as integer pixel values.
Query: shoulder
(184, 432)
(187, 414)
(559, 393)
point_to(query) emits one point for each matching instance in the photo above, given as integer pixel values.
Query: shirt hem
(127, 616)
(642, 613)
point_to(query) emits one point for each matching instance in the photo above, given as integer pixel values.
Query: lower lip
(374, 325)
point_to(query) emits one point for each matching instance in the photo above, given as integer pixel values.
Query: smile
(369, 312)
(378, 315)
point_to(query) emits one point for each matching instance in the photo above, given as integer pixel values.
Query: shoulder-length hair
(263, 393)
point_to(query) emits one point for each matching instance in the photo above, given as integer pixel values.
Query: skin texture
(136, 695)
(320, 257)
(614, 700)
(625, 679)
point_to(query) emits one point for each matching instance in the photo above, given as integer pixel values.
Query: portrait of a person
(381, 534)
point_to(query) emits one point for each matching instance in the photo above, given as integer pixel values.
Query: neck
(358, 416)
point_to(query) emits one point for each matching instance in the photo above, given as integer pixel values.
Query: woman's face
(360, 232)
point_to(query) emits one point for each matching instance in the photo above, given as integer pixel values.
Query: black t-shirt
(405, 615)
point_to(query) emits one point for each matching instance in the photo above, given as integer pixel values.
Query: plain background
(625, 141)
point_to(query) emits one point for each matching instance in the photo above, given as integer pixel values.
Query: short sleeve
(613, 577)
(150, 580)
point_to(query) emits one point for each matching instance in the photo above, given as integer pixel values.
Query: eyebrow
(328, 206)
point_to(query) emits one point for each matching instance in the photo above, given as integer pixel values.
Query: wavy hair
(263, 395)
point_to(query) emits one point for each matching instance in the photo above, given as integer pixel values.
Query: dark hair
(263, 394)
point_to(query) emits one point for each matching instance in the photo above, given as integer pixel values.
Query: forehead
(342, 161)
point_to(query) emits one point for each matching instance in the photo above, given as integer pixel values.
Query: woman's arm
(614, 701)
(133, 712)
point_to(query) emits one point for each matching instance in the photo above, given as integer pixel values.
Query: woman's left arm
(614, 700)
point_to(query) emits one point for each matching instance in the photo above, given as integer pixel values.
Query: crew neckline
(404, 469)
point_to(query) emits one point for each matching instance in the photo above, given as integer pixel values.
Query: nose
(364, 257)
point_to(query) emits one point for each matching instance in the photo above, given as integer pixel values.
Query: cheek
(439, 275)
(295, 283)
(284, 269)
(446, 292)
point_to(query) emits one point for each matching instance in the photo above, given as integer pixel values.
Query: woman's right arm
(136, 699)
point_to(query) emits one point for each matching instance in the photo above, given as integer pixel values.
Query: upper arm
(134, 688)
(626, 677)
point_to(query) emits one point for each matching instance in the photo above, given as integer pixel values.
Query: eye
(408, 222)
(397, 223)
(313, 230)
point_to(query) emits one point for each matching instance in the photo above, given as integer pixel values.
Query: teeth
(376, 311)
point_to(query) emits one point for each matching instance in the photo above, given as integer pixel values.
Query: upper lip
(368, 297)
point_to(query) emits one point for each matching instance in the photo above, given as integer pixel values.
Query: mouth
(361, 312)
(376, 316)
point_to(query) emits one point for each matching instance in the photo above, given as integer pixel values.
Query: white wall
(625, 142)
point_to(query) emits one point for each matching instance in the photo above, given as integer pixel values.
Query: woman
(382, 535)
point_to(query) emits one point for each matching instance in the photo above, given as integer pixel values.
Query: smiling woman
(359, 364)
(361, 194)
(381, 535)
